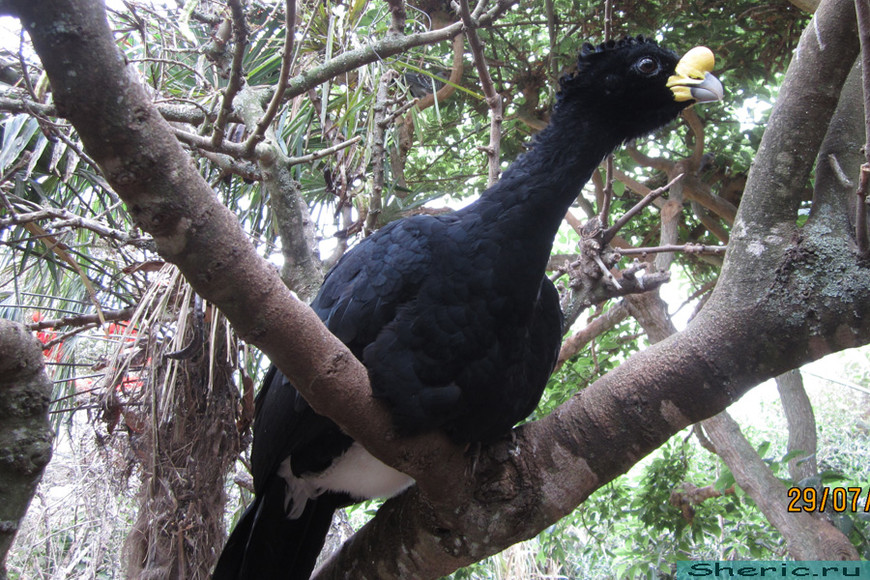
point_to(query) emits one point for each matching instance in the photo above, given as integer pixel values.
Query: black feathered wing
(364, 290)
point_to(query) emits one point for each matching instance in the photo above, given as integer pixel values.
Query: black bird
(452, 315)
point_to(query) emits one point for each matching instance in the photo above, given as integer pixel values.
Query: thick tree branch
(839, 162)
(765, 221)
(862, 9)
(798, 123)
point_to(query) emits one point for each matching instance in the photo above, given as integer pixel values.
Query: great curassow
(452, 315)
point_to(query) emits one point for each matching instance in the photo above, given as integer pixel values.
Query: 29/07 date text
(839, 499)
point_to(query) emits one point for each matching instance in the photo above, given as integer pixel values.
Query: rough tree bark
(787, 295)
(25, 433)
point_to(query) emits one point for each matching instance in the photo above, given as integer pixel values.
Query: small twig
(170, 62)
(606, 271)
(551, 33)
(387, 121)
(69, 219)
(234, 85)
(23, 63)
(281, 88)
(323, 152)
(687, 248)
(79, 151)
(83, 319)
(59, 340)
(493, 99)
(608, 20)
(607, 192)
(9, 174)
(610, 232)
(236, 150)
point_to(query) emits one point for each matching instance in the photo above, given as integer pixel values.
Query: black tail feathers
(267, 545)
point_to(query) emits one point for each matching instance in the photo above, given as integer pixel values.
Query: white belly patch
(357, 472)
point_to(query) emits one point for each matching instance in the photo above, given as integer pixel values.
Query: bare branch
(610, 232)
(230, 166)
(861, 211)
(697, 128)
(68, 219)
(493, 99)
(236, 150)
(606, 191)
(281, 87)
(236, 80)
(807, 537)
(659, 163)
(607, 321)
(456, 69)
(84, 319)
(324, 152)
(862, 10)
(687, 248)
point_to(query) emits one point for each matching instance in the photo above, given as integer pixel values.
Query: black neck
(533, 194)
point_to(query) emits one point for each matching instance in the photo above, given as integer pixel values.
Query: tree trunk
(25, 433)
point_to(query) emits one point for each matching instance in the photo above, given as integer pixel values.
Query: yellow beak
(694, 80)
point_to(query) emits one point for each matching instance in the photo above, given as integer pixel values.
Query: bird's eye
(647, 66)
